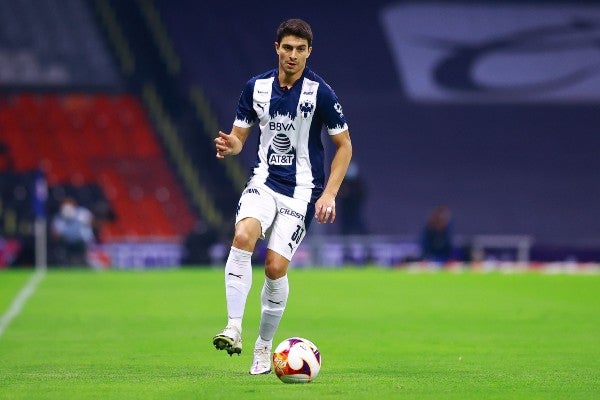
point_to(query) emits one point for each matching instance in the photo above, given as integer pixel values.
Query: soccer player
(287, 186)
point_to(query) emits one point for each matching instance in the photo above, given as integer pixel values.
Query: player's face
(293, 52)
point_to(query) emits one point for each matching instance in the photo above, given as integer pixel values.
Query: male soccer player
(287, 187)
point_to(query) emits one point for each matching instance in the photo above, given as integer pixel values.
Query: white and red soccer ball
(296, 360)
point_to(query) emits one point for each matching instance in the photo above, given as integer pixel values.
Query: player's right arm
(232, 143)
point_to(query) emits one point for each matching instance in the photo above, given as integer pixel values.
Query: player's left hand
(325, 208)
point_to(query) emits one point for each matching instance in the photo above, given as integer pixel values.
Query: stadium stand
(64, 109)
(53, 44)
(103, 140)
(78, 74)
(150, 64)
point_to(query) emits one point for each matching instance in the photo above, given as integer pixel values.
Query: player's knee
(246, 234)
(275, 272)
(241, 240)
(276, 267)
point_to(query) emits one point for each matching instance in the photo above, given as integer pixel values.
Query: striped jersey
(290, 157)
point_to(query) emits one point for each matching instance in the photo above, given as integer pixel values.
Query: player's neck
(287, 81)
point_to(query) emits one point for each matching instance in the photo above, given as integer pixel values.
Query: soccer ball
(296, 360)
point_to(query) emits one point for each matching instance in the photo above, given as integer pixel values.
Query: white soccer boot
(261, 364)
(230, 339)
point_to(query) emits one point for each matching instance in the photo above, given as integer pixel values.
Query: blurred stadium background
(490, 108)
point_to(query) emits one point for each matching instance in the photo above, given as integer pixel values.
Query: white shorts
(283, 219)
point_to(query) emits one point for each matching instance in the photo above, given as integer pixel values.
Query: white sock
(273, 298)
(238, 280)
(260, 343)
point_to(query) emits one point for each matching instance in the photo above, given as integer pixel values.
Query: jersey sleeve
(330, 111)
(245, 115)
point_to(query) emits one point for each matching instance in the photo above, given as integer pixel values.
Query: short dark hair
(295, 27)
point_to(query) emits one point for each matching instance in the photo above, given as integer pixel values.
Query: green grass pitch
(383, 334)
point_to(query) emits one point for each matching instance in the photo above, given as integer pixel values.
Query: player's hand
(224, 144)
(325, 208)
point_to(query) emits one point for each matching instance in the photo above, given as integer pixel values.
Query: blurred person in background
(287, 187)
(71, 233)
(436, 238)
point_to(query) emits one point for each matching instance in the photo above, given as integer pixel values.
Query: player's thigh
(259, 204)
(290, 226)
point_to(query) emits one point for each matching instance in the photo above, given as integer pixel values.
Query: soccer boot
(230, 339)
(261, 364)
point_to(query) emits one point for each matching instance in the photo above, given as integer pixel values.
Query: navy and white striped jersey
(290, 157)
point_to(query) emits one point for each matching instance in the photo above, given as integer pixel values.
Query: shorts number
(297, 235)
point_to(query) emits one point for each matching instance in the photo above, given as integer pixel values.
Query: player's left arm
(325, 205)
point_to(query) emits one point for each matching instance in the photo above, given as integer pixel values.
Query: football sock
(238, 280)
(273, 298)
(260, 343)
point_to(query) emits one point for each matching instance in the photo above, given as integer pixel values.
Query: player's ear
(309, 51)
(277, 47)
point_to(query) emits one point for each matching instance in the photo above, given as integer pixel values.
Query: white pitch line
(19, 301)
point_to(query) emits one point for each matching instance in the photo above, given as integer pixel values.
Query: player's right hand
(223, 144)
